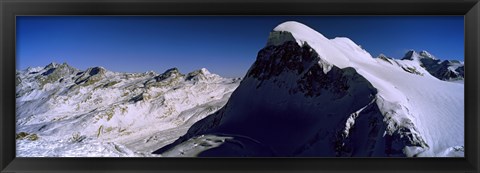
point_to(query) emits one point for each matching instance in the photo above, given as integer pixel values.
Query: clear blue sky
(225, 45)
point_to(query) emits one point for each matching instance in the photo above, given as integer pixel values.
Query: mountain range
(304, 96)
(309, 96)
(96, 112)
(448, 70)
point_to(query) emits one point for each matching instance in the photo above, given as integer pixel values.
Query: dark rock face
(290, 105)
(461, 71)
(18, 80)
(273, 60)
(279, 37)
(385, 58)
(167, 74)
(196, 75)
(96, 70)
(49, 71)
(90, 76)
(301, 61)
(136, 98)
(443, 72)
(409, 55)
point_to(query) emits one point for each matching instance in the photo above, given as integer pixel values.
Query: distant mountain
(309, 96)
(447, 70)
(443, 70)
(96, 112)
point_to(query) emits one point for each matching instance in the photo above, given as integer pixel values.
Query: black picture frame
(470, 9)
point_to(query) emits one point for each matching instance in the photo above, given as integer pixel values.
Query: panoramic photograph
(240, 86)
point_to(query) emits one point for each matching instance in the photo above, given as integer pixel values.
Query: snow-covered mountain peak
(444, 70)
(34, 69)
(205, 71)
(426, 54)
(411, 55)
(172, 73)
(297, 28)
(300, 31)
(340, 51)
(51, 65)
(201, 75)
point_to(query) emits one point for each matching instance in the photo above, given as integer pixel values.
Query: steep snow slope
(307, 95)
(97, 112)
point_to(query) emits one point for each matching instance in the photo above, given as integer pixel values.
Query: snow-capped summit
(205, 71)
(51, 65)
(34, 69)
(426, 54)
(306, 95)
(448, 70)
(201, 75)
(299, 30)
(411, 55)
(169, 73)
